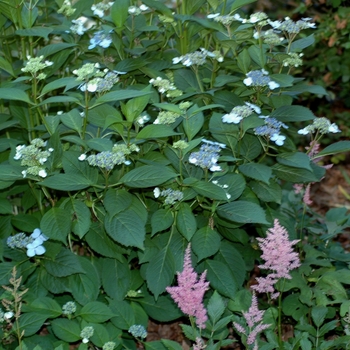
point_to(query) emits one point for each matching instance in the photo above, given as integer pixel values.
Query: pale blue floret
(271, 129)
(36, 246)
(100, 38)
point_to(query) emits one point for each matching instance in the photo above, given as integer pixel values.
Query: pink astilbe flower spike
(279, 258)
(253, 318)
(189, 293)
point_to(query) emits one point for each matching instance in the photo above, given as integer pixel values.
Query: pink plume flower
(279, 258)
(253, 318)
(189, 293)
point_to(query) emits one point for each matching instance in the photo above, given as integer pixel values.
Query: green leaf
(55, 224)
(161, 220)
(116, 201)
(51, 49)
(155, 131)
(338, 147)
(100, 145)
(46, 306)
(29, 323)
(124, 314)
(292, 114)
(257, 55)
(232, 258)
(256, 171)
(116, 277)
(66, 330)
(236, 184)
(294, 175)
(59, 83)
(14, 94)
(163, 309)
(271, 192)
(186, 221)
(299, 45)
(134, 107)
(6, 66)
(221, 278)
(73, 120)
(95, 311)
(284, 80)
(210, 190)
(243, 61)
(85, 287)
(10, 172)
(250, 147)
(216, 307)
(318, 314)
(101, 243)
(147, 176)
(171, 345)
(64, 264)
(193, 121)
(43, 32)
(119, 95)
(242, 212)
(59, 99)
(160, 271)
(119, 13)
(240, 3)
(5, 206)
(66, 182)
(205, 242)
(81, 216)
(126, 228)
(295, 159)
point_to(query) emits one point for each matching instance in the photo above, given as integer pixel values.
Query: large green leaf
(242, 212)
(66, 182)
(43, 32)
(119, 13)
(59, 83)
(66, 330)
(221, 278)
(295, 159)
(160, 271)
(126, 228)
(256, 171)
(81, 216)
(155, 131)
(271, 192)
(116, 278)
(292, 114)
(55, 225)
(119, 95)
(292, 174)
(186, 221)
(30, 323)
(205, 242)
(95, 311)
(125, 317)
(147, 176)
(14, 94)
(116, 201)
(210, 190)
(192, 123)
(6, 66)
(338, 147)
(72, 120)
(64, 264)
(161, 220)
(46, 306)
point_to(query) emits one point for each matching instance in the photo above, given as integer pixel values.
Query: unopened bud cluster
(69, 308)
(34, 157)
(86, 333)
(166, 86)
(171, 196)
(67, 9)
(198, 57)
(138, 331)
(109, 159)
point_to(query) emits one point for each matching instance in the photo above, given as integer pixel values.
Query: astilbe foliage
(189, 292)
(279, 258)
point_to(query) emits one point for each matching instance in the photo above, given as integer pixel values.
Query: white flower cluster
(171, 196)
(100, 8)
(81, 25)
(321, 125)
(240, 112)
(198, 57)
(137, 10)
(34, 157)
(35, 64)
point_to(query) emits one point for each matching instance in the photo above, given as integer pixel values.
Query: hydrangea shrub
(129, 132)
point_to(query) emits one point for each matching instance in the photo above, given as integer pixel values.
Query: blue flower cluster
(207, 156)
(271, 129)
(260, 78)
(100, 38)
(33, 243)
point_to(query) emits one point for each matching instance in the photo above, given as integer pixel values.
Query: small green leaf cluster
(156, 125)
